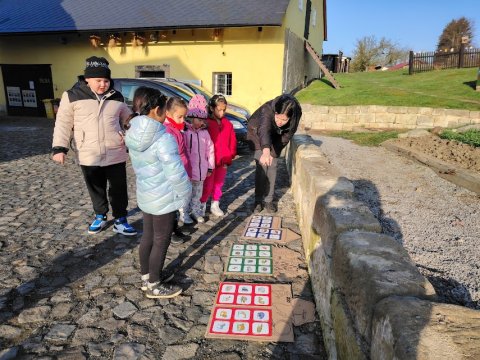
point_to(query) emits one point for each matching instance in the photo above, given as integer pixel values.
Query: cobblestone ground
(65, 294)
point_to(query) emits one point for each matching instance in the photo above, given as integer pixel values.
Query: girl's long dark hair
(146, 99)
(213, 102)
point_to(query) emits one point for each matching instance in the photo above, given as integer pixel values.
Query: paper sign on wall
(14, 96)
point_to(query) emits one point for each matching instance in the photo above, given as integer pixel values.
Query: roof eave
(136, 29)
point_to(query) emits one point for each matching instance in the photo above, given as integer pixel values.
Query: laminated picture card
(268, 229)
(262, 260)
(259, 312)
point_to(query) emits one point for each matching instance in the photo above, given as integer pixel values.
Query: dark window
(152, 74)
(222, 83)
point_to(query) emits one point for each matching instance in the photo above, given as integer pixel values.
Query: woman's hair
(213, 102)
(285, 104)
(174, 102)
(145, 99)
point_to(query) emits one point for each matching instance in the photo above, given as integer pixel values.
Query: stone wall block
(349, 344)
(369, 267)
(425, 111)
(406, 328)
(457, 112)
(406, 119)
(475, 115)
(424, 121)
(384, 118)
(337, 213)
(338, 110)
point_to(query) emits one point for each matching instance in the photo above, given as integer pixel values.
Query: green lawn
(470, 137)
(449, 89)
(371, 138)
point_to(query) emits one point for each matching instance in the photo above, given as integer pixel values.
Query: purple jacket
(200, 152)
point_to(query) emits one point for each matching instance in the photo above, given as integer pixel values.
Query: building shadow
(471, 84)
(35, 135)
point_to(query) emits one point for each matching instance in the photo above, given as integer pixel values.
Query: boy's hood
(143, 132)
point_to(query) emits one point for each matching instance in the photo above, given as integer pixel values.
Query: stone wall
(372, 301)
(316, 117)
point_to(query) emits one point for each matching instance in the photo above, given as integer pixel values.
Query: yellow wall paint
(295, 21)
(255, 59)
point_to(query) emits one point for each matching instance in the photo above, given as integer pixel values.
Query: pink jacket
(178, 135)
(200, 151)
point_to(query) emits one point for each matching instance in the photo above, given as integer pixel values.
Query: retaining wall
(372, 301)
(317, 117)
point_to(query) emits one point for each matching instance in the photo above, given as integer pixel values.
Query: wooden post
(410, 63)
(461, 55)
(339, 62)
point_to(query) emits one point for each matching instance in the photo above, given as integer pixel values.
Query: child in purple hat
(200, 151)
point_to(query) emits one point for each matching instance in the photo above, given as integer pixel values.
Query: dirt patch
(435, 220)
(452, 152)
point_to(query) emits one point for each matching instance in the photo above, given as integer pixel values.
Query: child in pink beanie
(201, 153)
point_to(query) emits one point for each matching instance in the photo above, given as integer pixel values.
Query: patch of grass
(448, 89)
(369, 138)
(470, 137)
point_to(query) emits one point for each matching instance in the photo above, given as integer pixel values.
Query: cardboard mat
(267, 229)
(261, 259)
(260, 312)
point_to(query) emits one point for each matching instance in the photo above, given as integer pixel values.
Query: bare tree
(452, 34)
(371, 52)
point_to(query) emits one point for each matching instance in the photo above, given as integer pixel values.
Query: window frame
(228, 87)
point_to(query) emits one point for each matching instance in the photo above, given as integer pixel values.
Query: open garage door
(25, 87)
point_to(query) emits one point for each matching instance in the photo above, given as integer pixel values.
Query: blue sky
(412, 24)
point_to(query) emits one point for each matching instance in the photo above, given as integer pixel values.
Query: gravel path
(436, 221)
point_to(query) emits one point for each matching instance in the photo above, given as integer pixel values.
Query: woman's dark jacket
(264, 133)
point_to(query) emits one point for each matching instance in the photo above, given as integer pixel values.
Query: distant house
(336, 63)
(398, 66)
(250, 50)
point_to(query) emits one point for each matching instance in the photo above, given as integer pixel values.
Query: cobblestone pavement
(65, 294)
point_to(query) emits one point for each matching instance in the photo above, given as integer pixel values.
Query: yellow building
(249, 50)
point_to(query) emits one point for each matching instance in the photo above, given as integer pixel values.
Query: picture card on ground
(274, 236)
(250, 259)
(264, 221)
(262, 260)
(260, 312)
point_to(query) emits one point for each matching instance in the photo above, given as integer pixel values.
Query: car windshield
(200, 90)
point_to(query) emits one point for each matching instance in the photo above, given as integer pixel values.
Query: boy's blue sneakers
(121, 226)
(98, 224)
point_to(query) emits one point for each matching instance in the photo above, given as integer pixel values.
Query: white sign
(14, 96)
(29, 98)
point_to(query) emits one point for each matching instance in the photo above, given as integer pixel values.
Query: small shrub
(470, 137)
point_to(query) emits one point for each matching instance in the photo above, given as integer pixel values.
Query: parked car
(197, 89)
(128, 86)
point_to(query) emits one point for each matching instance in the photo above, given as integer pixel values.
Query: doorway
(25, 87)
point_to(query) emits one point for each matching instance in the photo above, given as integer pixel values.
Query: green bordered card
(250, 259)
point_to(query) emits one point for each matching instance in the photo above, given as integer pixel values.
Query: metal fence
(435, 60)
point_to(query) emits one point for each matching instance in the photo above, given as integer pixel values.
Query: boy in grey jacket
(94, 113)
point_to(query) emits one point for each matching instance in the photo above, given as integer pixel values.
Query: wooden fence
(426, 61)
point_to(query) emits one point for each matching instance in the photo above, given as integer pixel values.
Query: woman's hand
(266, 159)
(60, 158)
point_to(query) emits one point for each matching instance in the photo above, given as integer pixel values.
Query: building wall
(254, 57)
(299, 67)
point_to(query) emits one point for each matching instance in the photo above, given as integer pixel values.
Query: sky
(412, 24)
